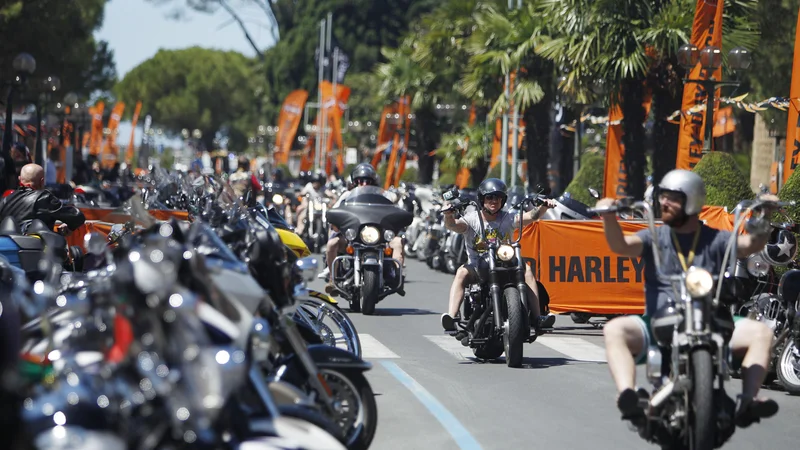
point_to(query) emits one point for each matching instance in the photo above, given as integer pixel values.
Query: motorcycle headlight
(757, 266)
(370, 235)
(388, 235)
(505, 253)
(350, 234)
(318, 206)
(699, 282)
(277, 198)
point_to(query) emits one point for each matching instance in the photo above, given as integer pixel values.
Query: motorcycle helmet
(364, 170)
(781, 248)
(492, 186)
(690, 185)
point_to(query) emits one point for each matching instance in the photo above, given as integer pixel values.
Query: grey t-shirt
(708, 255)
(501, 228)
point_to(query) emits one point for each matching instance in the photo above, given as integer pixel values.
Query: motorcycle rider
(314, 189)
(32, 201)
(499, 224)
(681, 196)
(362, 175)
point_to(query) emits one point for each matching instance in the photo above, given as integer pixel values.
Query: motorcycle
(691, 350)
(367, 273)
(495, 311)
(316, 232)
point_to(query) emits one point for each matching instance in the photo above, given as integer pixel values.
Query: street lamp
(710, 59)
(24, 65)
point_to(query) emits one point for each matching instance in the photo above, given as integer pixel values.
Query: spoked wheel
(788, 368)
(331, 323)
(356, 410)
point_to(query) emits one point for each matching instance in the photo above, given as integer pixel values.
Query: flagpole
(321, 74)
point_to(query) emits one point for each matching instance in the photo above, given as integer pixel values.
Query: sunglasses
(363, 181)
(492, 197)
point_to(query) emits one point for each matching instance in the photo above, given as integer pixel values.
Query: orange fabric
(615, 178)
(288, 122)
(792, 158)
(110, 151)
(724, 122)
(462, 178)
(131, 146)
(96, 139)
(707, 30)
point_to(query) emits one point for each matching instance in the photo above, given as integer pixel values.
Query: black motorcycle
(367, 273)
(495, 311)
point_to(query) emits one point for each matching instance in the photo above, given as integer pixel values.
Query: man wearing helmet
(362, 175)
(499, 224)
(686, 241)
(312, 189)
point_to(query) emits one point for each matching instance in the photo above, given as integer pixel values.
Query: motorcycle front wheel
(357, 412)
(788, 368)
(331, 323)
(702, 418)
(369, 290)
(514, 332)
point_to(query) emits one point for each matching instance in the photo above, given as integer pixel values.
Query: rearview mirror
(593, 192)
(451, 194)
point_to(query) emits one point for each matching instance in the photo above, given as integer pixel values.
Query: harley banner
(581, 274)
(792, 156)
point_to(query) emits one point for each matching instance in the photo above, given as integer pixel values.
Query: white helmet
(689, 184)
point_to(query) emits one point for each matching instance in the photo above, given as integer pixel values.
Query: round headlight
(388, 235)
(350, 234)
(699, 282)
(505, 253)
(277, 198)
(370, 235)
(756, 266)
(318, 206)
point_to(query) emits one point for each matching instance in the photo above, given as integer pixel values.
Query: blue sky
(137, 29)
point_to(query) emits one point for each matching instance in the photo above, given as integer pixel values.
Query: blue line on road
(460, 434)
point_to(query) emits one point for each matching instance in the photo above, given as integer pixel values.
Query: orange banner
(792, 157)
(615, 182)
(724, 121)
(110, 150)
(403, 109)
(288, 122)
(131, 146)
(96, 140)
(386, 130)
(707, 30)
(462, 179)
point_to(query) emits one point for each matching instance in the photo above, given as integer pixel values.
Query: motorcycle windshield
(367, 205)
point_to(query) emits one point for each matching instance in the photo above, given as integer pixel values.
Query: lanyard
(681, 258)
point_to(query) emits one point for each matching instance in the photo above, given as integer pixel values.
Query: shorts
(647, 332)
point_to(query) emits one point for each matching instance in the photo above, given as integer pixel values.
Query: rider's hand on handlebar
(448, 209)
(548, 204)
(768, 208)
(606, 203)
(63, 229)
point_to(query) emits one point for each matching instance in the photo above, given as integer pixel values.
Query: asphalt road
(432, 394)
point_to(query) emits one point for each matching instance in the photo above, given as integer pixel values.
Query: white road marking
(372, 348)
(452, 346)
(576, 348)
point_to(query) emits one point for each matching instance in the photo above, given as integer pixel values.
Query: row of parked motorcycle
(178, 334)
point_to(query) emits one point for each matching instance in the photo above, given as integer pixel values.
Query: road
(426, 383)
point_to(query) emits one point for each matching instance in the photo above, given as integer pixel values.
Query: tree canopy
(211, 90)
(59, 34)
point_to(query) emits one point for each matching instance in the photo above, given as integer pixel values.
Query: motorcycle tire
(451, 265)
(514, 335)
(369, 290)
(315, 307)
(350, 387)
(408, 249)
(788, 368)
(314, 418)
(702, 434)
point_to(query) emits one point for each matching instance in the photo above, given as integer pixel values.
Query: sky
(137, 29)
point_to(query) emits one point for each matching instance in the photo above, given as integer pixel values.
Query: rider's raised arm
(455, 225)
(747, 244)
(631, 245)
(534, 214)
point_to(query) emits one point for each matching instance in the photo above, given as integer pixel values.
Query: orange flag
(131, 146)
(615, 183)
(707, 30)
(792, 158)
(288, 121)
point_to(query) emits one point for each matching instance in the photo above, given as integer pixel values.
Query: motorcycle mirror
(451, 194)
(543, 190)
(95, 243)
(593, 192)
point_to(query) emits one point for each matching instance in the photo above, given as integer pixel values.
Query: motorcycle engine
(767, 308)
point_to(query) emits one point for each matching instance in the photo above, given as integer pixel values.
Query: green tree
(196, 88)
(726, 185)
(59, 34)
(590, 175)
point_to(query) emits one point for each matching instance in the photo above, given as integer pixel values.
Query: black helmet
(492, 186)
(364, 170)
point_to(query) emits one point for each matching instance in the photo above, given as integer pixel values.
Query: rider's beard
(673, 217)
(488, 211)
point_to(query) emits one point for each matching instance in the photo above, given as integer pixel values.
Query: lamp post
(50, 84)
(24, 65)
(710, 59)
